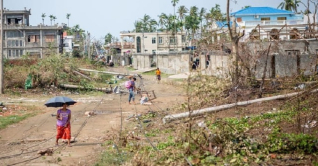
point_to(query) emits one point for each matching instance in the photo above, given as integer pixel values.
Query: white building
(152, 42)
(68, 44)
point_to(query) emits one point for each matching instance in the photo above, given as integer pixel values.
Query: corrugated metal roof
(261, 11)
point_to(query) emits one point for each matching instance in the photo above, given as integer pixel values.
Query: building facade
(152, 42)
(20, 38)
(252, 16)
(267, 22)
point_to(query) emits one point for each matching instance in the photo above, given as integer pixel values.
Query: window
(160, 40)
(265, 19)
(21, 52)
(9, 53)
(154, 40)
(239, 19)
(13, 53)
(49, 38)
(12, 34)
(33, 38)
(183, 39)
(17, 53)
(281, 18)
(21, 43)
(8, 43)
(172, 40)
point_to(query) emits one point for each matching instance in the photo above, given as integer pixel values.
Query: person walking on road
(158, 75)
(131, 89)
(63, 125)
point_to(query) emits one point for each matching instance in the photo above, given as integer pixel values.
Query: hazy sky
(102, 16)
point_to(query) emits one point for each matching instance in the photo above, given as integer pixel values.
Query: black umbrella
(59, 101)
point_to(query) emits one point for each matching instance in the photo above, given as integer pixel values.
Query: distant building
(252, 16)
(68, 44)
(20, 38)
(152, 42)
(267, 23)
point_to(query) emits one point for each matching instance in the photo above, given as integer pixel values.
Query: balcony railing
(276, 22)
(128, 46)
(21, 26)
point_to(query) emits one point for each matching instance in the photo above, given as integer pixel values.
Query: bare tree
(235, 37)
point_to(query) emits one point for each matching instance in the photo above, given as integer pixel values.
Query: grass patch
(112, 157)
(6, 121)
(130, 69)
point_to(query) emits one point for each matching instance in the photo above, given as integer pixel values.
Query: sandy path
(90, 132)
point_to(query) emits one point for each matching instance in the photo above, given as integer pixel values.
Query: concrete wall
(168, 63)
(285, 59)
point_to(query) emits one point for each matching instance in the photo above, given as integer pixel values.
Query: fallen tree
(173, 117)
(107, 90)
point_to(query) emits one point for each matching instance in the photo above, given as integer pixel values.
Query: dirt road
(19, 143)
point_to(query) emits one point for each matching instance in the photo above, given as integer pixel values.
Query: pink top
(64, 115)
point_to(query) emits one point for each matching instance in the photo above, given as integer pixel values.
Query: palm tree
(51, 18)
(201, 16)
(174, 3)
(43, 16)
(163, 19)
(54, 18)
(145, 21)
(182, 10)
(108, 38)
(192, 21)
(214, 14)
(68, 19)
(138, 26)
(152, 24)
(290, 5)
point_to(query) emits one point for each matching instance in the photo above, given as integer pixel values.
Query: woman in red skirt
(63, 125)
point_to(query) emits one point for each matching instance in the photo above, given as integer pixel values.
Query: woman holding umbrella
(63, 125)
(63, 116)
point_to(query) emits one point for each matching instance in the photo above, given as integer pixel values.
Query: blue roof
(261, 11)
(221, 24)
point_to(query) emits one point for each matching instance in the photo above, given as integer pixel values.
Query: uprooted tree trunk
(173, 117)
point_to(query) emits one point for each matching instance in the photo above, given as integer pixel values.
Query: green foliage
(108, 38)
(112, 157)
(283, 143)
(8, 120)
(86, 84)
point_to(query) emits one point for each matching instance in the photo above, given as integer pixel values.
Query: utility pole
(89, 47)
(1, 56)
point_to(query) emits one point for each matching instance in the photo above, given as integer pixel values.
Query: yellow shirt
(158, 72)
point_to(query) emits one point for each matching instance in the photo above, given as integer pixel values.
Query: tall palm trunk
(174, 20)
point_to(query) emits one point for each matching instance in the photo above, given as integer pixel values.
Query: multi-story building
(20, 38)
(269, 23)
(152, 42)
